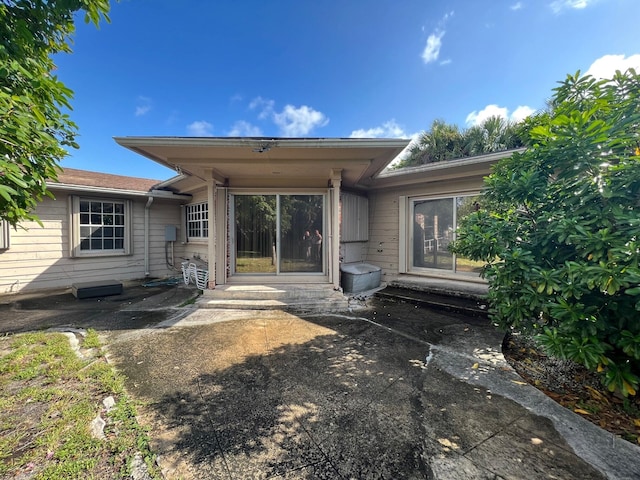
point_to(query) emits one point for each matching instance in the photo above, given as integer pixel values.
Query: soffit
(271, 161)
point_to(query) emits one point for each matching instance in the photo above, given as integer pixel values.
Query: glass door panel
(301, 242)
(432, 233)
(255, 233)
(465, 206)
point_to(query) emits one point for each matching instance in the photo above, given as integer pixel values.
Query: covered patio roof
(253, 162)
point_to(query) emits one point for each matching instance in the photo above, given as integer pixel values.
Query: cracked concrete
(396, 391)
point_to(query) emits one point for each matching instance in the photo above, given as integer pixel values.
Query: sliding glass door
(278, 234)
(433, 227)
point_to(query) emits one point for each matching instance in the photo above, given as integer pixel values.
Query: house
(254, 211)
(98, 226)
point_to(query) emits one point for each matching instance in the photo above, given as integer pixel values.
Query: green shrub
(559, 229)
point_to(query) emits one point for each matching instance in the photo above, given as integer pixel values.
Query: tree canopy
(559, 229)
(447, 142)
(34, 130)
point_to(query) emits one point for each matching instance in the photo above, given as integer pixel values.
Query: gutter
(113, 191)
(146, 236)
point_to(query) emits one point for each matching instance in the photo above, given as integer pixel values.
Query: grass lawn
(48, 398)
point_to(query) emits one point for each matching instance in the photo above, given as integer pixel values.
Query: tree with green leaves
(34, 130)
(447, 142)
(559, 229)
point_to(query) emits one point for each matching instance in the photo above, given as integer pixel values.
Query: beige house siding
(163, 213)
(384, 218)
(39, 257)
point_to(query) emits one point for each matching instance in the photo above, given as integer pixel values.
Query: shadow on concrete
(137, 307)
(333, 397)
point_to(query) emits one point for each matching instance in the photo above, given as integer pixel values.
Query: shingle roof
(72, 176)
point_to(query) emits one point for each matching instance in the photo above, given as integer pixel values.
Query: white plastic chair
(201, 278)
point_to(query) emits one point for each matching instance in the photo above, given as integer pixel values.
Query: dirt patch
(574, 387)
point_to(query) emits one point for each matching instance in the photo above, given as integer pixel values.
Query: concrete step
(292, 298)
(269, 292)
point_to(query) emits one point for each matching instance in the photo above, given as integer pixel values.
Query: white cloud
(522, 112)
(388, 129)
(606, 66)
(264, 105)
(493, 110)
(200, 128)
(244, 129)
(431, 50)
(560, 5)
(143, 106)
(297, 122)
(517, 6)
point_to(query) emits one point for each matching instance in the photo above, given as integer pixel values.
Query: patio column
(334, 258)
(211, 245)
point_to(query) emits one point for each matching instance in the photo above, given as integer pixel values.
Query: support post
(336, 181)
(211, 245)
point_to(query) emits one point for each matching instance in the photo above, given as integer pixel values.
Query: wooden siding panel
(38, 258)
(384, 210)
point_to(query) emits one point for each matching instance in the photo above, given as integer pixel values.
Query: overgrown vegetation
(559, 229)
(447, 142)
(48, 398)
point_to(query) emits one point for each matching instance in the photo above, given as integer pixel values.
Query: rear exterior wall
(384, 218)
(39, 257)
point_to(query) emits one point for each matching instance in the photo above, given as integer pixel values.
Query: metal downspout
(146, 236)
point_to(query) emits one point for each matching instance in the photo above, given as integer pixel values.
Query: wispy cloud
(431, 50)
(389, 129)
(244, 129)
(558, 6)
(517, 6)
(143, 105)
(606, 66)
(493, 110)
(264, 106)
(299, 121)
(200, 128)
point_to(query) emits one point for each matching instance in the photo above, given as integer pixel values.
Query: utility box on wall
(170, 233)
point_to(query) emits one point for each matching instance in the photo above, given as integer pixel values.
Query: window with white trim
(431, 226)
(197, 220)
(101, 227)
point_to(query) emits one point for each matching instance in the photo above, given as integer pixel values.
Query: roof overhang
(249, 162)
(478, 166)
(122, 192)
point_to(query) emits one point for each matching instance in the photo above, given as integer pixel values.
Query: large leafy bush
(559, 229)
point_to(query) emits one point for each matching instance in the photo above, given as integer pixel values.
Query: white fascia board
(133, 142)
(115, 191)
(446, 164)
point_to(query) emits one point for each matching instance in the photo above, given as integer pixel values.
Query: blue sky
(363, 68)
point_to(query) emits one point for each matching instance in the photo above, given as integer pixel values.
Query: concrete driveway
(398, 391)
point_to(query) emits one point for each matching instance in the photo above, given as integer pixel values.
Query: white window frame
(4, 235)
(406, 213)
(76, 228)
(197, 214)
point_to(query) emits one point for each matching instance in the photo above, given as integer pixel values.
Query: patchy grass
(48, 398)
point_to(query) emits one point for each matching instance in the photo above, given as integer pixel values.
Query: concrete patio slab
(395, 391)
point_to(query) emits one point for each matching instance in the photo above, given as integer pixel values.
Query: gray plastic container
(359, 277)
